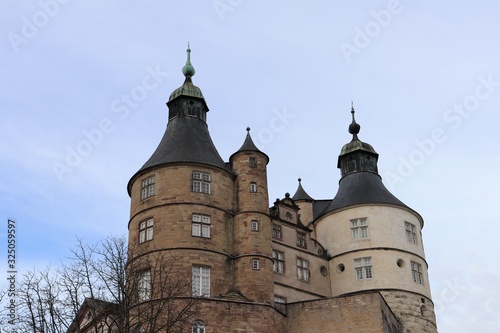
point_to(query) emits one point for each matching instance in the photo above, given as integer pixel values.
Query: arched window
(198, 327)
(288, 216)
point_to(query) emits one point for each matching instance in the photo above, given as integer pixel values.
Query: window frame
(301, 239)
(198, 327)
(303, 269)
(146, 230)
(278, 262)
(200, 182)
(200, 281)
(359, 228)
(203, 223)
(363, 268)
(279, 299)
(254, 225)
(255, 264)
(148, 188)
(411, 234)
(253, 187)
(416, 272)
(144, 285)
(277, 229)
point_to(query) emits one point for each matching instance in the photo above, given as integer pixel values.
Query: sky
(82, 107)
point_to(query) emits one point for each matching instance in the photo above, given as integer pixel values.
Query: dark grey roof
(248, 145)
(319, 207)
(362, 188)
(186, 139)
(301, 194)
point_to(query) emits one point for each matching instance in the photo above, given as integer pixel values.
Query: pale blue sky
(424, 77)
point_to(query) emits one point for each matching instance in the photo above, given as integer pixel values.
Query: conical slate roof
(249, 146)
(301, 194)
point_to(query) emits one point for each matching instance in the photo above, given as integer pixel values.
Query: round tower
(182, 202)
(253, 264)
(375, 240)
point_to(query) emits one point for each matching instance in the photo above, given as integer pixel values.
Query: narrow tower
(375, 240)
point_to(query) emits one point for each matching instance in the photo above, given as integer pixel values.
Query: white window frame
(278, 262)
(359, 228)
(146, 230)
(363, 268)
(148, 187)
(200, 281)
(411, 234)
(303, 272)
(279, 299)
(254, 225)
(144, 286)
(416, 272)
(200, 225)
(198, 327)
(253, 187)
(255, 264)
(201, 182)
(301, 240)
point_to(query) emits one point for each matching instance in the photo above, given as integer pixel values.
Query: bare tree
(107, 288)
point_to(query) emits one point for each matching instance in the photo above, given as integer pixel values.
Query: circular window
(323, 270)
(401, 263)
(340, 268)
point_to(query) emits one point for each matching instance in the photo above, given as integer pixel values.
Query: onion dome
(186, 139)
(360, 182)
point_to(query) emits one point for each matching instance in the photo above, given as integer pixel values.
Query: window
(144, 286)
(411, 235)
(201, 281)
(416, 273)
(276, 231)
(279, 299)
(252, 162)
(255, 264)
(359, 228)
(302, 269)
(301, 240)
(255, 225)
(278, 262)
(148, 187)
(363, 268)
(198, 327)
(253, 187)
(200, 226)
(201, 182)
(146, 230)
(288, 216)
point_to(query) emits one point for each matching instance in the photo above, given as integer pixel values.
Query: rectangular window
(201, 281)
(276, 231)
(255, 264)
(253, 187)
(200, 225)
(146, 230)
(363, 268)
(252, 162)
(144, 286)
(301, 240)
(278, 262)
(148, 187)
(411, 235)
(416, 272)
(255, 225)
(201, 182)
(302, 269)
(359, 228)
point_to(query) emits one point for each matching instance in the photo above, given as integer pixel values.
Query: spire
(354, 127)
(249, 146)
(188, 69)
(301, 194)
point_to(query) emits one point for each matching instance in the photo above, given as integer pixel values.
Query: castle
(354, 263)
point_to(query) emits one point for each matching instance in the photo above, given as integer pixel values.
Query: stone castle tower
(354, 263)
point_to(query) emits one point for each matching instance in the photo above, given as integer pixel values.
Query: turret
(253, 263)
(375, 239)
